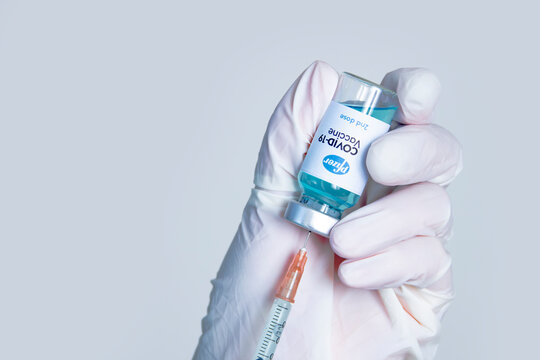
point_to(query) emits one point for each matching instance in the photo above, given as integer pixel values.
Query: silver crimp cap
(310, 219)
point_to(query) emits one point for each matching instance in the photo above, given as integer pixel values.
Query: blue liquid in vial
(324, 192)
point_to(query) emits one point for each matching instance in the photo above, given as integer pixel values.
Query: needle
(307, 238)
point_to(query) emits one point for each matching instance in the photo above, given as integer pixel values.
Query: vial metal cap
(310, 219)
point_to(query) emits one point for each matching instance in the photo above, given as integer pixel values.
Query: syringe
(282, 306)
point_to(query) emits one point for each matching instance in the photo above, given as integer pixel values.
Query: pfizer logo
(336, 164)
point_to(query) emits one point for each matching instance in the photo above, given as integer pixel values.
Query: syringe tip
(291, 280)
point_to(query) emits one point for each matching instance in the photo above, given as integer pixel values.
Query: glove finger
(420, 209)
(415, 153)
(418, 92)
(292, 126)
(420, 261)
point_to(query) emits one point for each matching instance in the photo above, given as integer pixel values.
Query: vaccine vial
(333, 174)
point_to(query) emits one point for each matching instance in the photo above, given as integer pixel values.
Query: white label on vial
(338, 150)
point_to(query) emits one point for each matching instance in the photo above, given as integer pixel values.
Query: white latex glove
(386, 300)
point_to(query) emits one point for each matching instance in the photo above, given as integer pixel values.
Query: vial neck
(319, 206)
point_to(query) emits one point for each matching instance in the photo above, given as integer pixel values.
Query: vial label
(337, 153)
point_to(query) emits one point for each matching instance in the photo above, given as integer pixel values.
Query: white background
(129, 132)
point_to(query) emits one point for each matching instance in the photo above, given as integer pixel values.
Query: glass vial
(333, 174)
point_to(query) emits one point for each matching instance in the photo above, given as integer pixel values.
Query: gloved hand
(386, 299)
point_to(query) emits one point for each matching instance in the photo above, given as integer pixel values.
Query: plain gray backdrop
(129, 132)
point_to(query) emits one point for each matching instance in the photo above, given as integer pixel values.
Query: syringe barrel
(273, 329)
(281, 307)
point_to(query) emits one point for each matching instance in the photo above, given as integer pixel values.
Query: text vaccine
(333, 174)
